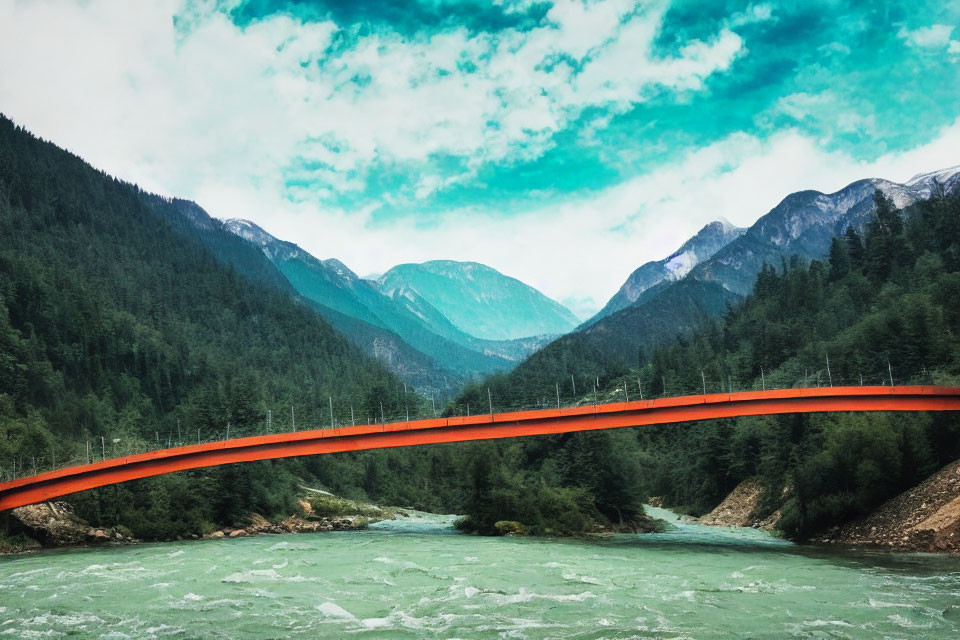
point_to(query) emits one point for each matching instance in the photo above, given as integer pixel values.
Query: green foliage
(887, 299)
(500, 493)
(116, 323)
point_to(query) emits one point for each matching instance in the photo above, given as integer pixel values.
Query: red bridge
(46, 486)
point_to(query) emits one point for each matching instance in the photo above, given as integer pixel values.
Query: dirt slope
(741, 509)
(925, 518)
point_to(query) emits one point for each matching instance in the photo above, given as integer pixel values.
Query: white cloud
(114, 81)
(826, 105)
(620, 74)
(217, 115)
(752, 14)
(581, 26)
(932, 37)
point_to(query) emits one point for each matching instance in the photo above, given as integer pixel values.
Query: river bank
(925, 518)
(55, 525)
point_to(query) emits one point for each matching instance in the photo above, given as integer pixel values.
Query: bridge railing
(413, 406)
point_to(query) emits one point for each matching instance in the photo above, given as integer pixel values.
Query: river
(417, 578)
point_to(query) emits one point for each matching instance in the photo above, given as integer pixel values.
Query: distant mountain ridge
(477, 299)
(358, 308)
(249, 260)
(678, 264)
(804, 222)
(802, 225)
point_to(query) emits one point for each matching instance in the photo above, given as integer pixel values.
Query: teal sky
(604, 133)
(860, 77)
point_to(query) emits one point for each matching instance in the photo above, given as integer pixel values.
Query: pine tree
(839, 260)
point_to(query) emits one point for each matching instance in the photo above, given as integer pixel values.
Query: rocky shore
(925, 518)
(54, 524)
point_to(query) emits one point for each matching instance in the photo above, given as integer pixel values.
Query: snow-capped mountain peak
(340, 269)
(940, 175)
(249, 231)
(707, 241)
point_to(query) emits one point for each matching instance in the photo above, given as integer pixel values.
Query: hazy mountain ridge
(330, 284)
(478, 299)
(246, 253)
(392, 328)
(413, 366)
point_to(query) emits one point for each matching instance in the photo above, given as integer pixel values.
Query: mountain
(883, 307)
(804, 223)
(477, 299)
(249, 260)
(678, 264)
(190, 219)
(799, 228)
(378, 322)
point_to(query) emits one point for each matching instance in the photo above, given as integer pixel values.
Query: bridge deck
(53, 484)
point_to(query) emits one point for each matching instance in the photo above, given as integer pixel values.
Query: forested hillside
(885, 304)
(114, 325)
(250, 260)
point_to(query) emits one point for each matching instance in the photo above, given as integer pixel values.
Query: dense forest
(119, 332)
(882, 307)
(123, 327)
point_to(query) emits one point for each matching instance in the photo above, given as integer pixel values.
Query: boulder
(258, 523)
(510, 528)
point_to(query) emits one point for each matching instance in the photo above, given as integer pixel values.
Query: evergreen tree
(839, 259)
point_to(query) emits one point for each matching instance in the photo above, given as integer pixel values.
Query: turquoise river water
(417, 578)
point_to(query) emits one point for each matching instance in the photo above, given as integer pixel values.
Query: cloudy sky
(564, 143)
